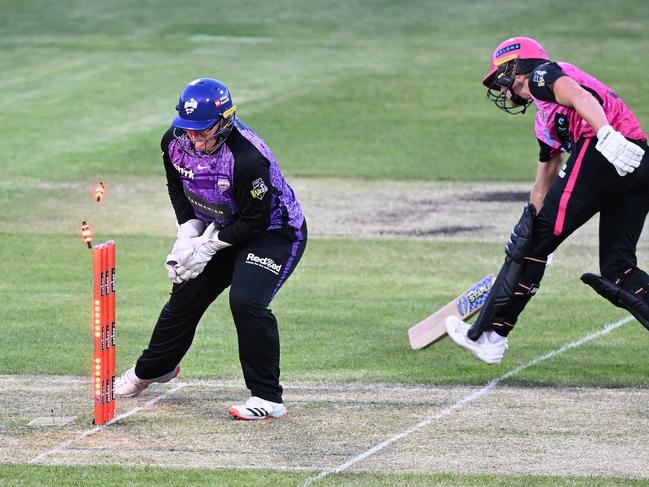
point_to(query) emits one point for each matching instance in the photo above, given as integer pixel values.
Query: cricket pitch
(560, 431)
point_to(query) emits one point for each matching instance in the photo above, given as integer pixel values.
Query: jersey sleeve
(252, 192)
(542, 78)
(182, 208)
(547, 152)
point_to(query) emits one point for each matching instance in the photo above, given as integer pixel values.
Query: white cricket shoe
(489, 348)
(130, 385)
(257, 408)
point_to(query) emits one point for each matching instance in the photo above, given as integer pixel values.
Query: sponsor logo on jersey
(220, 213)
(188, 173)
(264, 262)
(544, 117)
(259, 189)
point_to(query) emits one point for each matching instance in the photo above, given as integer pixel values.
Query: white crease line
(475, 394)
(99, 428)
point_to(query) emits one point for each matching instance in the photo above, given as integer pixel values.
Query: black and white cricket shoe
(257, 408)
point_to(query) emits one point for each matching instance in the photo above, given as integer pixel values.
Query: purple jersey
(240, 187)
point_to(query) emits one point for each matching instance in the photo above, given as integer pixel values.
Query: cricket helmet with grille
(518, 55)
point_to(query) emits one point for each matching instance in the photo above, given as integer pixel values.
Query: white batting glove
(623, 154)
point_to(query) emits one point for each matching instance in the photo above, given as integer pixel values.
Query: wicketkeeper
(240, 226)
(607, 172)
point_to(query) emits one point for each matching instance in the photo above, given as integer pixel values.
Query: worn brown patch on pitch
(333, 207)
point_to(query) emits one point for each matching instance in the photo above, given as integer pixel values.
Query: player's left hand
(623, 154)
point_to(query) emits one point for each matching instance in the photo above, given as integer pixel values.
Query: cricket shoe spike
(489, 348)
(257, 408)
(130, 385)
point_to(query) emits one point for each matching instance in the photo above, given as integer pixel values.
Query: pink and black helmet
(514, 48)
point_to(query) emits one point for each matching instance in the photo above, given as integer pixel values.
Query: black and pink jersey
(241, 187)
(558, 127)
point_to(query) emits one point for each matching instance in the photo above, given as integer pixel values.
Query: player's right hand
(623, 154)
(170, 263)
(184, 274)
(185, 240)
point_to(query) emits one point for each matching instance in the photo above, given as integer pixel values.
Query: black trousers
(591, 185)
(588, 184)
(255, 271)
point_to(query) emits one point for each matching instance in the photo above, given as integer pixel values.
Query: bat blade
(466, 305)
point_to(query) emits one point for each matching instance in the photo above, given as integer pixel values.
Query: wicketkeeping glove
(623, 154)
(184, 240)
(191, 262)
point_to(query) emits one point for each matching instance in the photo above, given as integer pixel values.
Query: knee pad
(627, 290)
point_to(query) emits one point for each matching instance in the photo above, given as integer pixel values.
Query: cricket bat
(466, 305)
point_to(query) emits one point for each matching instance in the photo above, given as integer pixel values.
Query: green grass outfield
(342, 319)
(360, 89)
(141, 477)
(365, 89)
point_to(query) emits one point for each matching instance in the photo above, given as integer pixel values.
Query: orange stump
(111, 330)
(103, 257)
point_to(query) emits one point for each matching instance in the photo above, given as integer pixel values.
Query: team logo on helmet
(190, 106)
